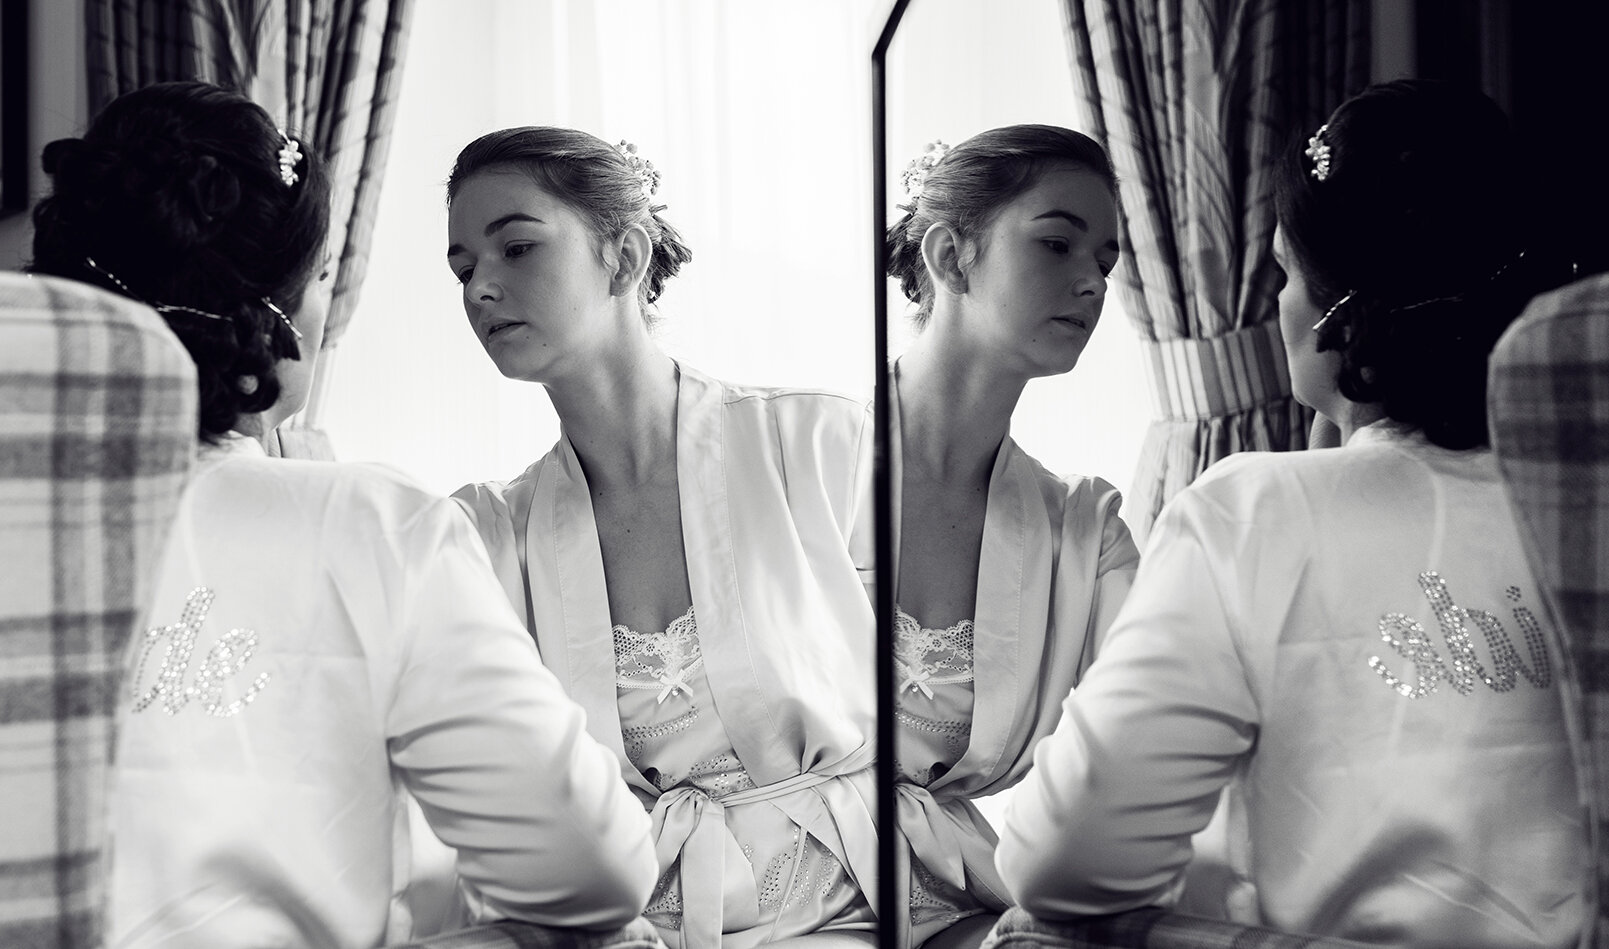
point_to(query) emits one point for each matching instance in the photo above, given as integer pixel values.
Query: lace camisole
(933, 716)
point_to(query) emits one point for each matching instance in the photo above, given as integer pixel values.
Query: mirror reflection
(1008, 568)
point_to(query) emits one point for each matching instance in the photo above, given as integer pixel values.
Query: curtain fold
(1195, 100)
(327, 69)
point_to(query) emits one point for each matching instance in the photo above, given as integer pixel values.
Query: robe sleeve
(1114, 571)
(861, 513)
(497, 755)
(1103, 821)
(487, 505)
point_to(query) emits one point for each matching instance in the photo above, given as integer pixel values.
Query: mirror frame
(882, 498)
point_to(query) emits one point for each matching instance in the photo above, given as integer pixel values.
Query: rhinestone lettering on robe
(225, 660)
(1461, 666)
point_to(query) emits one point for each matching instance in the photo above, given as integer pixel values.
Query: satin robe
(333, 636)
(777, 530)
(1056, 564)
(1352, 641)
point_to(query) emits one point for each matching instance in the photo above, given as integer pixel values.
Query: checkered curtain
(1195, 99)
(1548, 404)
(328, 69)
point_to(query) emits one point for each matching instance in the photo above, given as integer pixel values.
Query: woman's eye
(517, 250)
(1055, 245)
(464, 274)
(1107, 268)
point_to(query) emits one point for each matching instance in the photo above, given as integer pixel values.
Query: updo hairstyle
(1427, 215)
(176, 189)
(590, 176)
(967, 188)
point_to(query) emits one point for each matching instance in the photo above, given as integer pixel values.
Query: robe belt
(718, 891)
(947, 846)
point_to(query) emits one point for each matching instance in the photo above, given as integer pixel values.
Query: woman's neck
(955, 409)
(619, 413)
(1355, 415)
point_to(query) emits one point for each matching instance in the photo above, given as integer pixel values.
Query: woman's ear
(941, 251)
(632, 251)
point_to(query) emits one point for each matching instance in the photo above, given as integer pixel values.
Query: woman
(334, 634)
(1349, 639)
(689, 556)
(1008, 575)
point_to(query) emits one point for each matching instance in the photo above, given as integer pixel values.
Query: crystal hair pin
(1319, 151)
(159, 307)
(283, 318)
(647, 175)
(914, 177)
(289, 154)
(176, 308)
(1331, 311)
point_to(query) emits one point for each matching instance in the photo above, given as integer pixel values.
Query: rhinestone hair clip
(176, 308)
(647, 175)
(914, 177)
(1319, 151)
(289, 154)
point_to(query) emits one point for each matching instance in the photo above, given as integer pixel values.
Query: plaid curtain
(1548, 405)
(1195, 99)
(328, 69)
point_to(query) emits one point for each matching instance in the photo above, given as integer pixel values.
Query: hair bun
(62, 152)
(212, 189)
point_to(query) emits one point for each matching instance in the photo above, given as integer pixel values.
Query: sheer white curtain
(758, 115)
(958, 67)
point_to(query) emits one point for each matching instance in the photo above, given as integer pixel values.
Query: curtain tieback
(1194, 380)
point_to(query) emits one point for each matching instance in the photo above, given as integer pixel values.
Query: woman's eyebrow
(497, 225)
(1079, 223)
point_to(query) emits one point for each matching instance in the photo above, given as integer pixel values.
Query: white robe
(777, 531)
(336, 635)
(1312, 630)
(1056, 563)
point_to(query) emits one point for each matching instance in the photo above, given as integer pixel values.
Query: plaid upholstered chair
(1548, 402)
(97, 435)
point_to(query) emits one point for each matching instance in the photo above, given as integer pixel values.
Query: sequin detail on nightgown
(673, 737)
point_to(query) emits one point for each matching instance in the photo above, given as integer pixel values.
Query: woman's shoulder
(1070, 493)
(340, 496)
(1369, 478)
(796, 399)
(795, 411)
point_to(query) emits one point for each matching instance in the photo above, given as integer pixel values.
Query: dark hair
(176, 190)
(1428, 217)
(969, 186)
(590, 176)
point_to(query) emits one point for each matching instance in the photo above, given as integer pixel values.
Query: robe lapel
(712, 576)
(1012, 612)
(570, 601)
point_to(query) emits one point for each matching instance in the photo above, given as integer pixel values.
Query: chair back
(97, 436)
(1548, 404)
